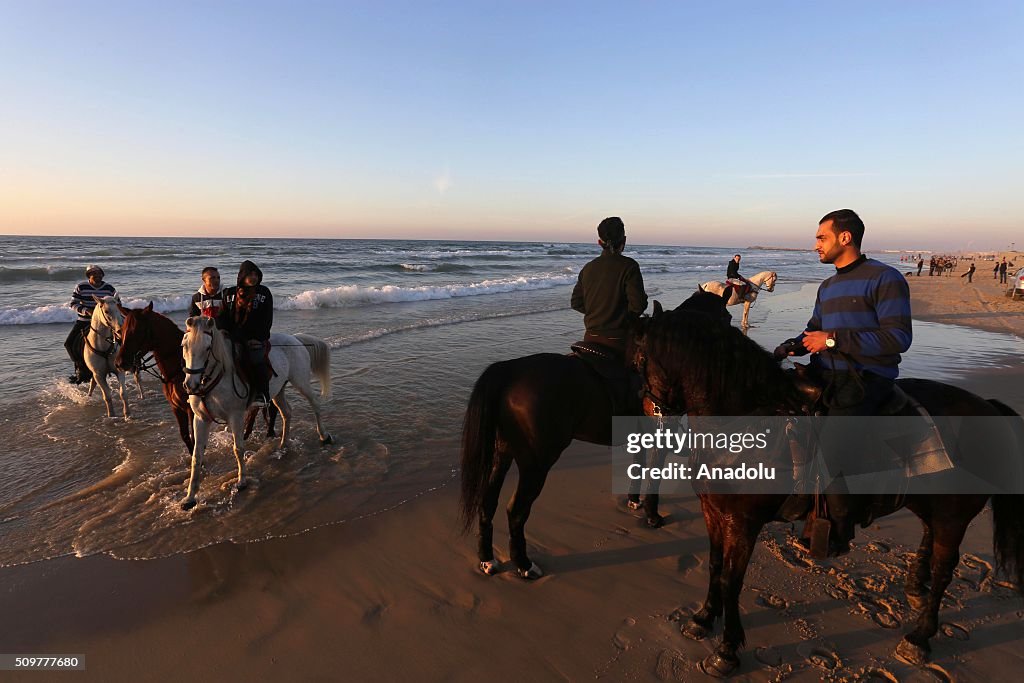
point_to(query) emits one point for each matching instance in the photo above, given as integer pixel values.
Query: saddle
(740, 288)
(899, 450)
(609, 364)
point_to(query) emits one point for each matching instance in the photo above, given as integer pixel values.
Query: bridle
(662, 406)
(112, 341)
(206, 384)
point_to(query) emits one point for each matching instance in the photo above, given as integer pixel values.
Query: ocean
(411, 325)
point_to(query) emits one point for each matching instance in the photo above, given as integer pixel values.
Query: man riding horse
(610, 289)
(83, 303)
(860, 325)
(246, 316)
(733, 277)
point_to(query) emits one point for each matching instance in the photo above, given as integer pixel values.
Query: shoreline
(981, 305)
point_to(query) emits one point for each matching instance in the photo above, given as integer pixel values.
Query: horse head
(201, 347)
(137, 337)
(108, 313)
(710, 304)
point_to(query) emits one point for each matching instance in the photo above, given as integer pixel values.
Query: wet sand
(397, 597)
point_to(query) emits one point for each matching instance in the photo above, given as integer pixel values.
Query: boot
(800, 501)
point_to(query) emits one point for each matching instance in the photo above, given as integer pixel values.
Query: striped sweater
(867, 305)
(82, 301)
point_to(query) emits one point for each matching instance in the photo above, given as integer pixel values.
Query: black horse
(697, 368)
(528, 410)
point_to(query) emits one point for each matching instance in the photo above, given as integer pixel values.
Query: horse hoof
(634, 504)
(489, 567)
(916, 602)
(188, 504)
(655, 522)
(909, 653)
(531, 574)
(327, 440)
(694, 631)
(241, 485)
(719, 666)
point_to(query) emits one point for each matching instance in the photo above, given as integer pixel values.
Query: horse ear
(658, 310)
(149, 307)
(124, 311)
(190, 322)
(97, 299)
(700, 288)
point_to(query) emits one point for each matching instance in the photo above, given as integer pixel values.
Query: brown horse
(147, 332)
(528, 410)
(697, 368)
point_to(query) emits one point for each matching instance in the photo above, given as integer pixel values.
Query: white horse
(764, 280)
(101, 344)
(217, 392)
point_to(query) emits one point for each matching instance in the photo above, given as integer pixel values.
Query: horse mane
(716, 366)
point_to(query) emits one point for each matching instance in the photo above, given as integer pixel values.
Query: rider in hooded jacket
(246, 316)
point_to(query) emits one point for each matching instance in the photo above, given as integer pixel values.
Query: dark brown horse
(528, 410)
(698, 368)
(147, 332)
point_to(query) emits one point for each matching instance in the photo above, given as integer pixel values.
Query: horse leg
(739, 539)
(286, 416)
(653, 519)
(920, 574)
(703, 620)
(138, 383)
(120, 392)
(531, 481)
(746, 314)
(485, 544)
(101, 382)
(306, 389)
(914, 647)
(201, 428)
(181, 415)
(271, 419)
(238, 446)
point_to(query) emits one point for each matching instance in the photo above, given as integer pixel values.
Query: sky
(700, 123)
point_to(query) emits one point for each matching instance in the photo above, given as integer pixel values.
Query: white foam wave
(355, 295)
(62, 313)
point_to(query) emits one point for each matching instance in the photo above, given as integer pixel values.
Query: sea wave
(40, 273)
(356, 295)
(62, 313)
(328, 297)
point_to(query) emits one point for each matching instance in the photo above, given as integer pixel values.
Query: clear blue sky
(698, 122)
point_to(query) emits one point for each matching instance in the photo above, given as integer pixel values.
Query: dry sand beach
(397, 596)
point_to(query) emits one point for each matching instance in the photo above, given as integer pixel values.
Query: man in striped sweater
(860, 325)
(83, 303)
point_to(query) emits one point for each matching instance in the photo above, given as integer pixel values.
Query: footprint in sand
(936, 672)
(671, 666)
(687, 563)
(876, 674)
(768, 656)
(877, 547)
(954, 631)
(824, 658)
(871, 584)
(771, 600)
(624, 637)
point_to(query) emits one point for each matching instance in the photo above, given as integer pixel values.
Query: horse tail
(319, 361)
(479, 431)
(1008, 515)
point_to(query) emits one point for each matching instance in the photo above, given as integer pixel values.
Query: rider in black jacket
(246, 316)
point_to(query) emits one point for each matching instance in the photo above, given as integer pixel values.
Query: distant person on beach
(860, 325)
(207, 300)
(1002, 272)
(931, 266)
(610, 289)
(995, 271)
(83, 303)
(920, 265)
(246, 315)
(970, 273)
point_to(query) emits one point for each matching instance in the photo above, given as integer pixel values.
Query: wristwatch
(830, 340)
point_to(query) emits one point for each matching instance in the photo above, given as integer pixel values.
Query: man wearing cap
(610, 289)
(83, 303)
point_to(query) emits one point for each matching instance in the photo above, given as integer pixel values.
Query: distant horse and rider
(740, 293)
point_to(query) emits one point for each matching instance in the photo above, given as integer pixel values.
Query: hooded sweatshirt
(247, 312)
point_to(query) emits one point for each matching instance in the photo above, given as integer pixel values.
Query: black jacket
(732, 272)
(261, 317)
(609, 293)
